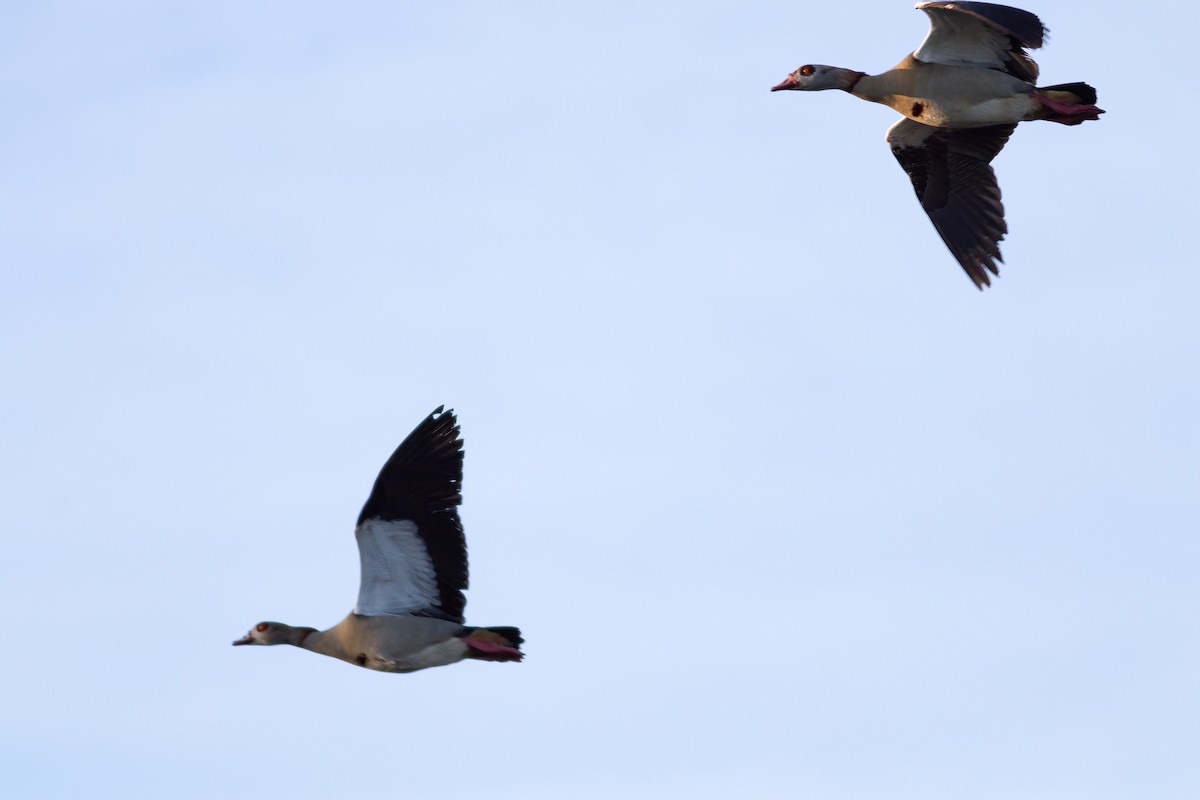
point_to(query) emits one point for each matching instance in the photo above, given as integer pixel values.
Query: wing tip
(977, 262)
(423, 474)
(1024, 26)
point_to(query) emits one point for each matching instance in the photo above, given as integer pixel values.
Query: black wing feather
(952, 177)
(422, 482)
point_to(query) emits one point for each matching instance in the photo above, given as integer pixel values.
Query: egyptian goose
(413, 553)
(962, 93)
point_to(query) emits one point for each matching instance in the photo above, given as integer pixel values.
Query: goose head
(817, 77)
(275, 633)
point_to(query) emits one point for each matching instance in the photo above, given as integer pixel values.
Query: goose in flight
(413, 554)
(962, 93)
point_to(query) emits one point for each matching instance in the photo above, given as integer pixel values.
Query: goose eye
(260, 627)
(806, 70)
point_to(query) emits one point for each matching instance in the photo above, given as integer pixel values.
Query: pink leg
(1068, 113)
(494, 652)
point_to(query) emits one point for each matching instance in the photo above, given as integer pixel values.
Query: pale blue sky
(785, 508)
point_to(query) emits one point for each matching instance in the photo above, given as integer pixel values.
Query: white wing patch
(960, 40)
(397, 574)
(907, 133)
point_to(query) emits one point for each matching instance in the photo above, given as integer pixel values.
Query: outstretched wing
(410, 539)
(950, 172)
(981, 35)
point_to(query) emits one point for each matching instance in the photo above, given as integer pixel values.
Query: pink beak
(247, 639)
(788, 83)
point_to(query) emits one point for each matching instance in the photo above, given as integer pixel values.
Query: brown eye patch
(806, 70)
(260, 627)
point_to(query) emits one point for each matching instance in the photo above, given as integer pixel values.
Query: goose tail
(1067, 103)
(501, 643)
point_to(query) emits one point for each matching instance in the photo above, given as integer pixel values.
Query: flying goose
(962, 93)
(413, 553)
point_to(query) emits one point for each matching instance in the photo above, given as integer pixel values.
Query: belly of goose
(437, 655)
(995, 111)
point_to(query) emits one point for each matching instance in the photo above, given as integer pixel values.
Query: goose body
(962, 94)
(413, 556)
(949, 96)
(391, 643)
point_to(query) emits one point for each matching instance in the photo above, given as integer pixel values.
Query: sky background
(784, 506)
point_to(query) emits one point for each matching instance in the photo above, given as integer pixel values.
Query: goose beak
(247, 639)
(788, 83)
